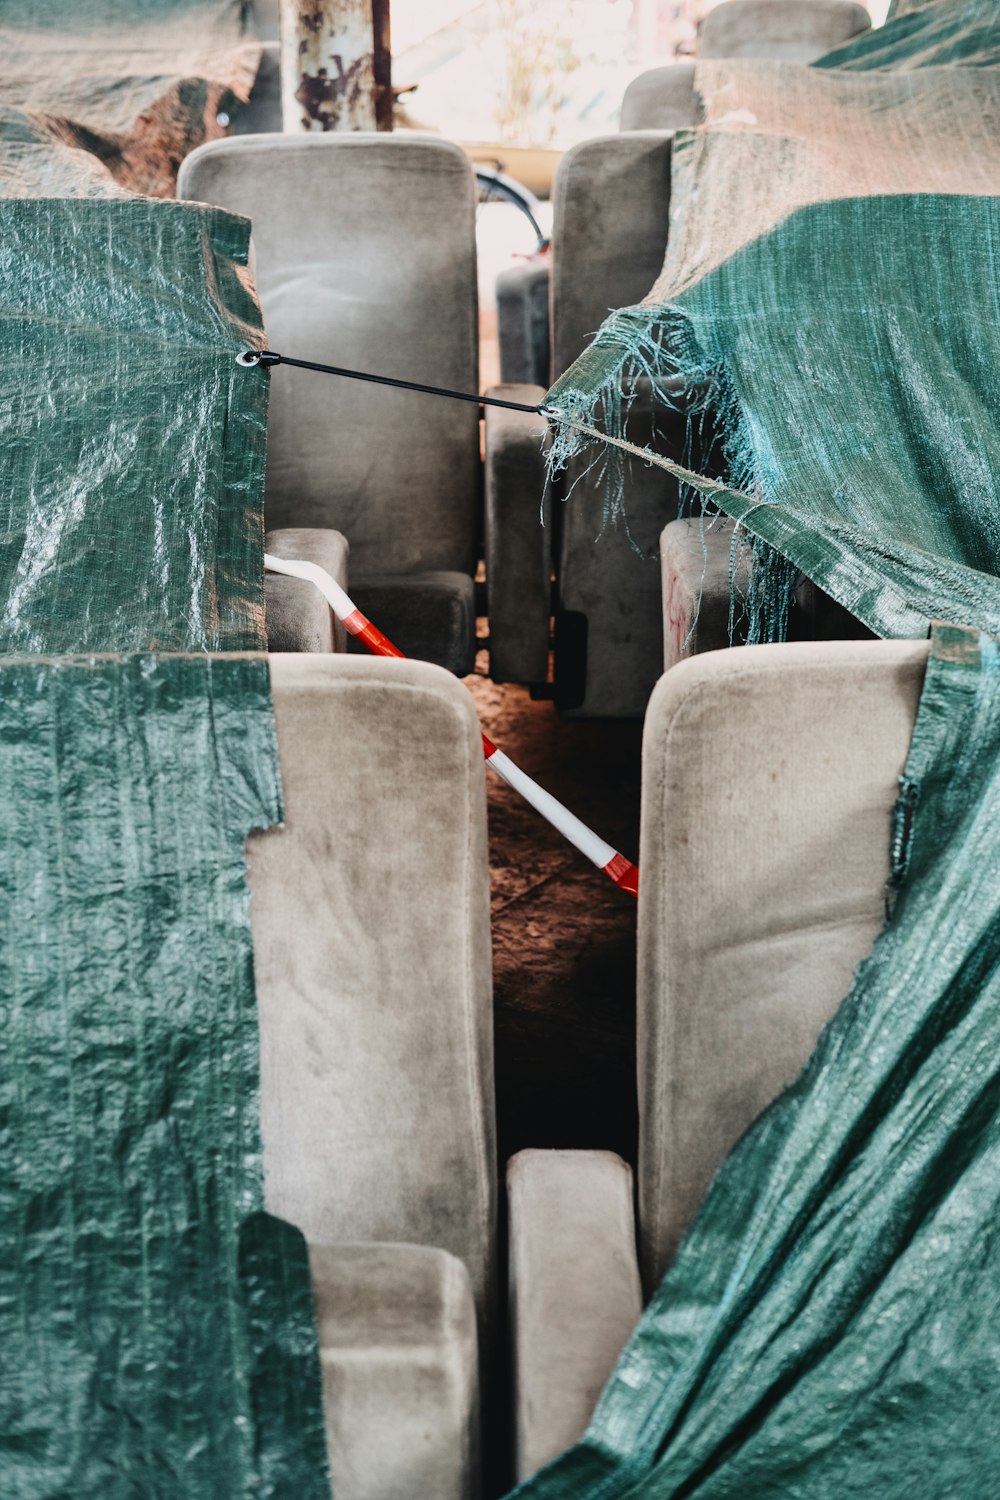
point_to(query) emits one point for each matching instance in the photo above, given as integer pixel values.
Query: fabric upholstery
(768, 782)
(370, 913)
(518, 539)
(796, 31)
(610, 207)
(706, 587)
(661, 99)
(574, 1291)
(522, 293)
(296, 614)
(699, 574)
(365, 258)
(611, 200)
(264, 19)
(397, 1328)
(608, 572)
(431, 616)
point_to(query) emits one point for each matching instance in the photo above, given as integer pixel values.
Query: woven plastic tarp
(829, 301)
(148, 1307)
(132, 459)
(139, 83)
(156, 1325)
(829, 1329)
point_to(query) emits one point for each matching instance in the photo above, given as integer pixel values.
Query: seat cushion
(397, 1334)
(365, 258)
(699, 570)
(370, 913)
(430, 616)
(296, 614)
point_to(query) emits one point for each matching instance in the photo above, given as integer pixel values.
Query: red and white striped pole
(619, 869)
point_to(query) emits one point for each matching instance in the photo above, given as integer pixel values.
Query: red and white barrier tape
(619, 869)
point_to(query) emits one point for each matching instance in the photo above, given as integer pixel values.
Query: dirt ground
(563, 933)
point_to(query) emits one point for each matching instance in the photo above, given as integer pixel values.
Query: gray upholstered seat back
(610, 212)
(370, 912)
(365, 258)
(769, 778)
(783, 30)
(661, 99)
(611, 201)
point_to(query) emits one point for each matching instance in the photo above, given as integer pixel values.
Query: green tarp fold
(829, 303)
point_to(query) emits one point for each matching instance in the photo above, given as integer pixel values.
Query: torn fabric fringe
(821, 320)
(659, 348)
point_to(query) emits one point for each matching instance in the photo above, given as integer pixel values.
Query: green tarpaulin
(829, 300)
(132, 455)
(156, 1325)
(137, 1360)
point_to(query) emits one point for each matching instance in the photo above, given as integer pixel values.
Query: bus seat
(798, 31)
(366, 259)
(769, 778)
(370, 914)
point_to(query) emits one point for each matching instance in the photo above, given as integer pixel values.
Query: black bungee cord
(266, 359)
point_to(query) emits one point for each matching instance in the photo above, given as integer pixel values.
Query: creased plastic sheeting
(147, 1306)
(138, 82)
(830, 1328)
(925, 33)
(829, 303)
(132, 461)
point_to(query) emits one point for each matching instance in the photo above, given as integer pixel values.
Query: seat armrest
(575, 1294)
(297, 616)
(518, 538)
(397, 1336)
(697, 563)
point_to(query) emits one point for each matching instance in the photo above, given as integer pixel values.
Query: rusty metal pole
(383, 65)
(327, 65)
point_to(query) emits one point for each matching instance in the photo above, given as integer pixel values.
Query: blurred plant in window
(539, 53)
